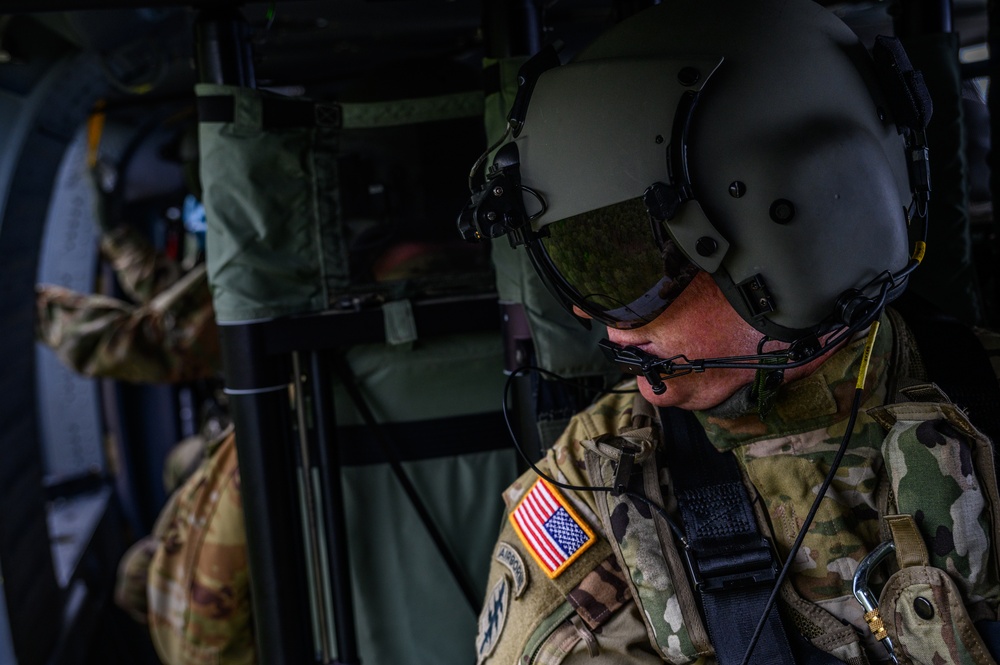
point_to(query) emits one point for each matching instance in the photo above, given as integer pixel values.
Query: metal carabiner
(867, 599)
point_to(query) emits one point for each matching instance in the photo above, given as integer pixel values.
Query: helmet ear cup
(819, 217)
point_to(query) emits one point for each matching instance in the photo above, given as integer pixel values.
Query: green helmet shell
(797, 173)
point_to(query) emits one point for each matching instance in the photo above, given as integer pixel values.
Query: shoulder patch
(513, 562)
(492, 619)
(550, 529)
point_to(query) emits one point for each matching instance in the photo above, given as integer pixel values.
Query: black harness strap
(729, 560)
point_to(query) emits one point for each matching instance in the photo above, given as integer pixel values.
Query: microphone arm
(633, 360)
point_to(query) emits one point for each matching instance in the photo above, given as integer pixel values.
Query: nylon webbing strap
(285, 113)
(729, 561)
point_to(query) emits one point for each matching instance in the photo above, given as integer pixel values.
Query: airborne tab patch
(512, 561)
(550, 529)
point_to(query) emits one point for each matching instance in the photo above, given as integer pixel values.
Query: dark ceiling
(315, 45)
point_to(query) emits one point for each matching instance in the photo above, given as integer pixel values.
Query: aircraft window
(69, 412)
(69, 406)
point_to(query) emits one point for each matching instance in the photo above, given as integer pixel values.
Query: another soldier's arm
(173, 338)
(142, 272)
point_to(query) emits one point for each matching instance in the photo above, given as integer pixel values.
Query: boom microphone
(634, 360)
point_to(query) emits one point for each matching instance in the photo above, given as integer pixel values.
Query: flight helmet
(759, 142)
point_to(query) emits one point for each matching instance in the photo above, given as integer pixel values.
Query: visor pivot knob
(706, 246)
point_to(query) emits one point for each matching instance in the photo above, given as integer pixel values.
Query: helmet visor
(615, 263)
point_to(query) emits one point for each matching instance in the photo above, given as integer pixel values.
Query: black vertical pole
(222, 55)
(333, 507)
(923, 17)
(993, 157)
(513, 28)
(257, 385)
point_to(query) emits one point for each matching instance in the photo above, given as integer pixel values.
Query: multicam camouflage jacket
(619, 591)
(198, 586)
(170, 335)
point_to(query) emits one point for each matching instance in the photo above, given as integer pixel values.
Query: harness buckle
(733, 569)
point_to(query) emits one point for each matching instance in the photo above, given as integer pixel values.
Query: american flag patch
(550, 529)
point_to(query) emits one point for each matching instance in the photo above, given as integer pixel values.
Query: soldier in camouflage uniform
(199, 608)
(777, 226)
(169, 336)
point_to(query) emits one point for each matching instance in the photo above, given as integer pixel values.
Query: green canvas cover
(283, 235)
(409, 610)
(267, 194)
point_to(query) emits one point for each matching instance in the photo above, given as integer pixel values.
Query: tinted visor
(614, 263)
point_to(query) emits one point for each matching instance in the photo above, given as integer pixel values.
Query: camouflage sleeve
(587, 611)
(172, 338)
(199, 585)
(142, 272)
(582, 610)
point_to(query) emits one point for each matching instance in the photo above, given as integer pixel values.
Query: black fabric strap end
(909, 99)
